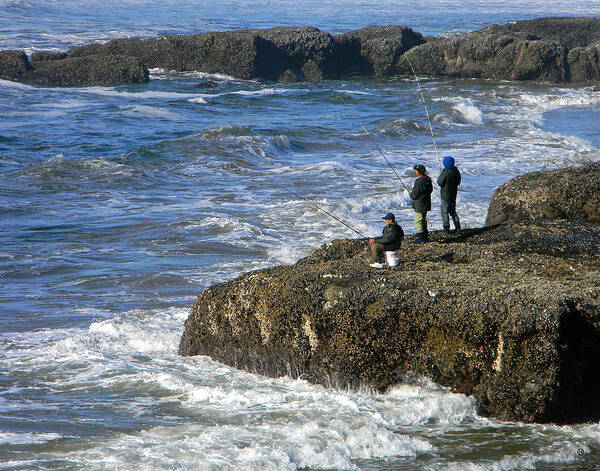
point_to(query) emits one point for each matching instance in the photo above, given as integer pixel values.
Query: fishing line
(388, 162)
(426, 112)
(383, 155)
(319, 208)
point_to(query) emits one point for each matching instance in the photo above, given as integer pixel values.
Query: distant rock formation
(549, 49)
(278, 54)
(61, 70)
(567, 193)
(508, 313)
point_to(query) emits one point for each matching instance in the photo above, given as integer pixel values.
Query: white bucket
(392, 258)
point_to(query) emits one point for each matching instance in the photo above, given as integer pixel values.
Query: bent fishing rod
(383, 155)
(319, 208)
(426, 112)
(388, 162)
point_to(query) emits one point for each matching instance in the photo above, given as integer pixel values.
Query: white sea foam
(151, 94)
(431, 402)
(343, 427)
(65, 104)
(565, 453)
(158, 73)
(286, 252)
(20, 464)
(353, 92)
(257, 447)
(98, 167)
(231, 224)
(262, 92)
(469, 113)
(325, 166)
(27, 438)
(151, 111)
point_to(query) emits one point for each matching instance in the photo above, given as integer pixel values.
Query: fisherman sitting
(390, 240)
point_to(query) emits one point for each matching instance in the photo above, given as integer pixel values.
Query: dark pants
(449, 209)
(377, 250)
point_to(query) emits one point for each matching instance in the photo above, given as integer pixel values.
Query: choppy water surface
(120, 204)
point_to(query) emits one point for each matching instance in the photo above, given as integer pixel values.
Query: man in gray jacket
(449, 180)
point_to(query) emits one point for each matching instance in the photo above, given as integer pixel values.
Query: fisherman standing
(390, 239)
(421, 197)
(449, 180)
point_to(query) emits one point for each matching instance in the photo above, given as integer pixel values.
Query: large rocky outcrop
(550, 49)
(547, 49)
(270, 54)
(243, 54)
(568, 193)
(515, 56)
(281, 53)
(509, 314)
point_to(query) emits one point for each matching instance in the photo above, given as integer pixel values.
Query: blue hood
(448, 161)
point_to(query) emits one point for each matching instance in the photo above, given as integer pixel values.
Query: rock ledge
(508, 313)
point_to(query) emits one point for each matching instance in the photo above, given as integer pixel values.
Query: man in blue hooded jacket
(449, 180)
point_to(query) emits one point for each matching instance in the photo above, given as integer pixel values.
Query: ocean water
(119, 204)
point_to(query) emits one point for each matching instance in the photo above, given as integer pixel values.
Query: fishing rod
(383, 155)
(426, 112)
(388, 162)
(319, 208)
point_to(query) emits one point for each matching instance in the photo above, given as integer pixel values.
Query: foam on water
(256, 447)
(286, 253)
(469, 113)
(253, 422)
(163, 74)
(27, 438)
(565, 453)
(151, 112)
(147, 95)
(198, 100)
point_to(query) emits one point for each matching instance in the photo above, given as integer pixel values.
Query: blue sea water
(119, 204)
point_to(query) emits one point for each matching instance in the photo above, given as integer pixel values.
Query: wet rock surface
(509, 314)
(567, 193)
(549, 49)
